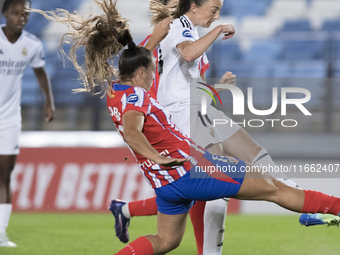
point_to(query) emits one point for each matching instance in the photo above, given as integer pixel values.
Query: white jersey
(13, 61)
(176, 73)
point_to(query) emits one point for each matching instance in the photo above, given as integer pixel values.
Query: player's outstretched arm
(133, 122)
(45, 85)
(190, 50)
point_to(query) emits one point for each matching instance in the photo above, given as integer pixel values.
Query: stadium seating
(240, 9)
(264, 51)
(259, 27)
(296, 26)
(304, 45)
(331, 25)
(336, 84)
(287, 9)
(321, 10)
(225, 51)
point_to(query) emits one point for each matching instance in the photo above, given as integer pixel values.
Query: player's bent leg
(242, 146)
(170, 233)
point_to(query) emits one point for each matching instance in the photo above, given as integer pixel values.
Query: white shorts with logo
(200, 128)
(9, 139)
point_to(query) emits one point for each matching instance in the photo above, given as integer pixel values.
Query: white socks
(264, 159)
(5, 213)
(126, 211)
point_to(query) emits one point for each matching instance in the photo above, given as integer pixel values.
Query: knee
(272, 190)
(170, 244)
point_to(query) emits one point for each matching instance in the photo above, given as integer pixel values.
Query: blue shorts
(224, 180)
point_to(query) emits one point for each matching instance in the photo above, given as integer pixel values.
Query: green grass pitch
(82, 234)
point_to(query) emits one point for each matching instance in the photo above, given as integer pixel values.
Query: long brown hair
(103, 36)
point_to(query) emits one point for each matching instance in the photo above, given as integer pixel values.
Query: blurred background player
(18, 48)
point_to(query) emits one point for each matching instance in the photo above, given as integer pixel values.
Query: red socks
(145, 207)
(197, 217)
(141, 246)
(317, 202)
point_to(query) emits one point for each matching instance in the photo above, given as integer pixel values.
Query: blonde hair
(159, 11)
(103, 36)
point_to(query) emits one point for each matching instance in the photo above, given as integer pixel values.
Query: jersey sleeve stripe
(123, 102)
(182, 22)
(140, 93)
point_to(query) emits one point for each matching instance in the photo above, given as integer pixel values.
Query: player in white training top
(18, 49)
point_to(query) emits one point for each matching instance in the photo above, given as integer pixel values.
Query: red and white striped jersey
(203, 67)
(158, 130)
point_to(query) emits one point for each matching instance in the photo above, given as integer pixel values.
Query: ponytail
(103, 36)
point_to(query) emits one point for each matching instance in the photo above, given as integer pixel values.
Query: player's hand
(162, 28)
(49, 113)
(228, 78)
(171, 162)
(228, 30)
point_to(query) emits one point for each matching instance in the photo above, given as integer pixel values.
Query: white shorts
(200, 128)
(9, 140)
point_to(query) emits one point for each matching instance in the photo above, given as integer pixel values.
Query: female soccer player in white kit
(180, 54)
(18, 48)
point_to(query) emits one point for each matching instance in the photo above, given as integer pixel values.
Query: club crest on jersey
(24, 51)
(187, 33)
(133, 98)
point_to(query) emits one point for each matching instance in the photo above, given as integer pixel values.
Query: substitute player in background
(17, 49)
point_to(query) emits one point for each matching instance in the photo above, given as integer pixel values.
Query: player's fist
(228, 30)
(228, 78)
